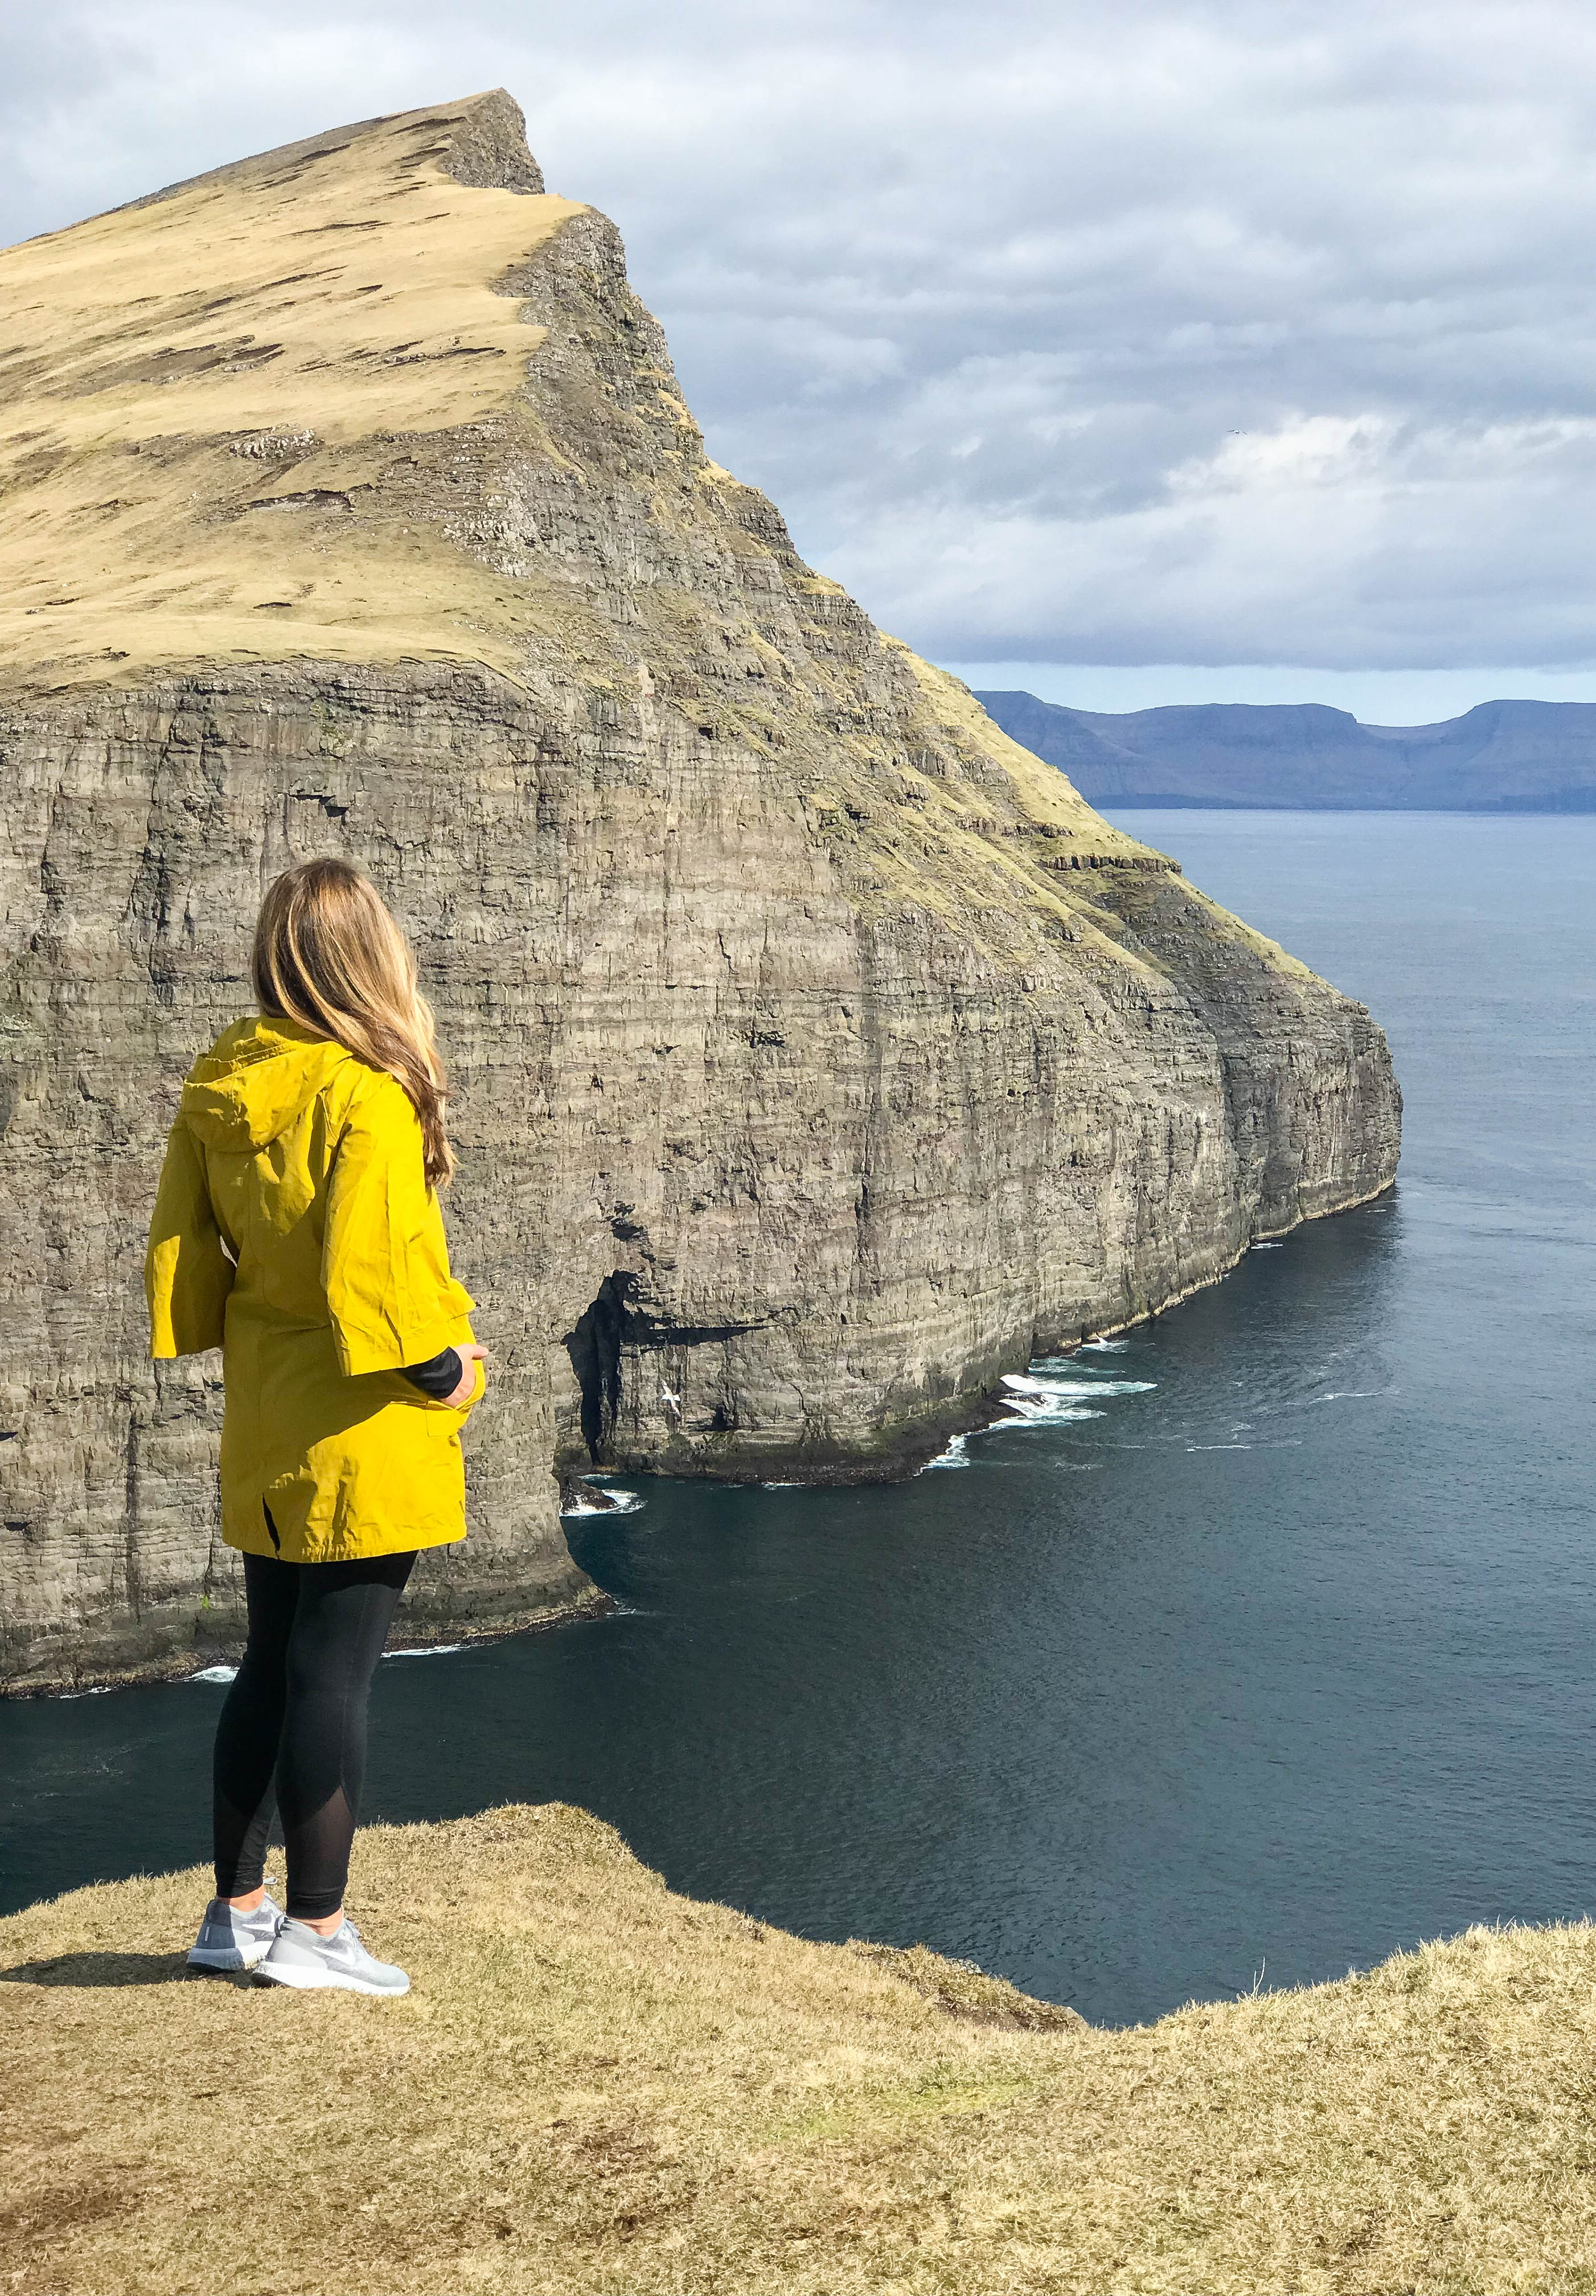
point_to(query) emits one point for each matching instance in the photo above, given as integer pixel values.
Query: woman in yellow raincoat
(296, 1227)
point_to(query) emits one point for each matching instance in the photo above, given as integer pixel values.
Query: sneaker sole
(316, 1980)
(222, 1964)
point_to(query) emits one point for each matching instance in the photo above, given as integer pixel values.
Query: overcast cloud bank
(1233, 335)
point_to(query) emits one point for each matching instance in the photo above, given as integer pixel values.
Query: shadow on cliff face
(624, 1323)
(595, 1348)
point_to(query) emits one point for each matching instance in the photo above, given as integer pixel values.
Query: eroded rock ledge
(819, 1053)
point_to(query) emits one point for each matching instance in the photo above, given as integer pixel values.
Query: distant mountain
(1504, 757)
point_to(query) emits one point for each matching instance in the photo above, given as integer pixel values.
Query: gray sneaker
(231, 1940)
(301, 1955)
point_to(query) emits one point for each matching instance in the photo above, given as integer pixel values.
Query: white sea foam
(216, 1674)
(622, 1502)
(1288, 1443)
(96, 1690)
(781, 1487)
(1267, 1247)
(953, 1456)
(1023, 1382)
(432, 1649)
(1041, 1411)
(1105, 1347)
(1040, 1419)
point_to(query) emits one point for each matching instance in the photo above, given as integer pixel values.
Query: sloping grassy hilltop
(199, 391)
(598, 2085)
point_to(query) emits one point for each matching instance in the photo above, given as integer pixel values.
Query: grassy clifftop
(200, 392)
(597, 2086)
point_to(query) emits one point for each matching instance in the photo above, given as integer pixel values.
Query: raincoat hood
(257, 1078)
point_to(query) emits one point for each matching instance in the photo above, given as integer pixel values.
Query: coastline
(907, 1446)
(907, 1449)
(419, 1636)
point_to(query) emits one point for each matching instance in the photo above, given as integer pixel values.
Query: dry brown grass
(598, 2085)
(167, 369)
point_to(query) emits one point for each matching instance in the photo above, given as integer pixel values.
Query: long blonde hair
(329, 955)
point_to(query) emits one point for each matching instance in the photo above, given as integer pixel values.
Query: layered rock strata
(818, 1053)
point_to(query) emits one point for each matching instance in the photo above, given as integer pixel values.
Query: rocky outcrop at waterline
(818, 1052)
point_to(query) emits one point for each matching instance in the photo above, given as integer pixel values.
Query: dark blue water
(1281, 1659)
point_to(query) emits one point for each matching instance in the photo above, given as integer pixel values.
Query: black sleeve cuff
(438, 1378)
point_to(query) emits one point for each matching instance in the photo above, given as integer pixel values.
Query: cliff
(597, 2086)
(818, 1052)
(1503, 757)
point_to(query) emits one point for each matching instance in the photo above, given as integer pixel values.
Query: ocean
(1253, 1645)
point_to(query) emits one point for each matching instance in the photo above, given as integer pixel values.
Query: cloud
(1219, 334)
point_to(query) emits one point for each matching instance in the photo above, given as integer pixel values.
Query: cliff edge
(818, 1052)
(598, 2085)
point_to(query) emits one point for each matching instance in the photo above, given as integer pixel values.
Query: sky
(1243, 352)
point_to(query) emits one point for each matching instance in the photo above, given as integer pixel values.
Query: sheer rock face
(818, 1053)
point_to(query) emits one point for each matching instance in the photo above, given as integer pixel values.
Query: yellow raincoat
(294, 1229)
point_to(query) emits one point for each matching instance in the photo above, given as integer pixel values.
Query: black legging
(297, 1712)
